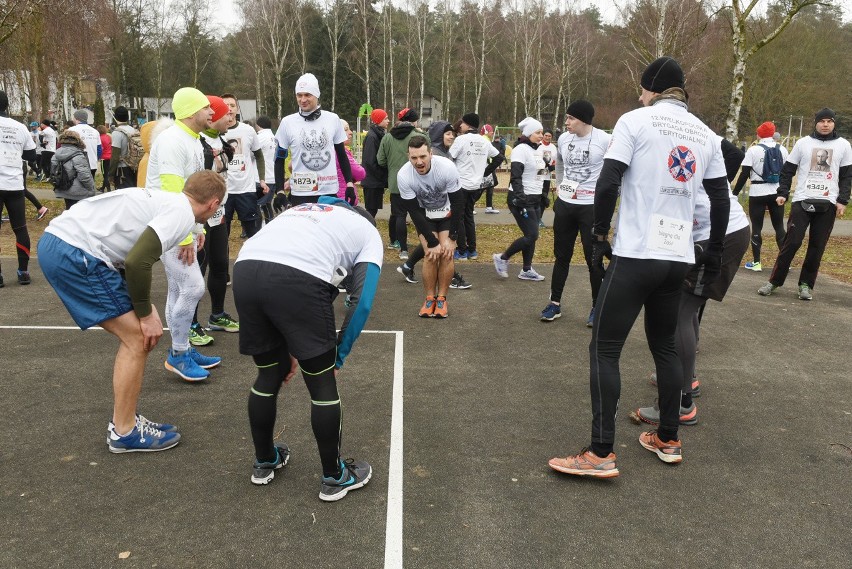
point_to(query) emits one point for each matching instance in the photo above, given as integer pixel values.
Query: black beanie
(582, 110)
(121, 114)
(663, 73)
(410, 115)
(471, 120)
(825, 113)
(4, 102)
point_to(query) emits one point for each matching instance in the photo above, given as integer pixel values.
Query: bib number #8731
(669, 234)
(304, 182)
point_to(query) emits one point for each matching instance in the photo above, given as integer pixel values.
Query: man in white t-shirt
(81, 253)
(426, 184)
(263, 127)
(659, 157)
(285, 283)
(822, 164)
(761, 193)
(314, 138)
(90, 137)
(48, 148)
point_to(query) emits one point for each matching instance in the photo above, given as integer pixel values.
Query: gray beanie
(81, 115)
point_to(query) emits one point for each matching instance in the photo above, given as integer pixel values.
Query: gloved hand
(280, 201)
(545, 200)
(600, 249)
(709, 263)
(351, 196)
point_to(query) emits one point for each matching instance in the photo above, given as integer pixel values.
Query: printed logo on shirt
(315, 144)
(313, 207)
(681, 163)
(238, 162)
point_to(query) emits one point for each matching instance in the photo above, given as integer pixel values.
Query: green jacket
(393, 151)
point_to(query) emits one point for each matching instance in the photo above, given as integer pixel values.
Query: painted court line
(393, 527)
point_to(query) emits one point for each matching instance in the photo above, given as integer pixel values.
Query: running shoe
(408, 273)
(670, 452)
(204, 362)
(183, 365)
(590, 321)
(428, 309)
(198, 336)
(140, 420)
(440, 307)
(223, 323)
(460, 255)
(766, 289)
(473, 255)
(4, 218)
(530, 275)
(264, 472)
(754, 266)
(24, 279)
(403, 255)
(696, 385)
(804, 291)
(458, 282)
(551, 312)
(501, 266)
(143, 438)
(586, 463)
(41, 213)
(355, 474)
(393, 245)
(651, 415)
(491, 210)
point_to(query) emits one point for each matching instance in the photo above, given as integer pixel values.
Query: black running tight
(757, 207)
(16, 207)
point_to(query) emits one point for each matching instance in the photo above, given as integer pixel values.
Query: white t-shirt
(535, 169)
(471, 153)
(311, 147)
(241, 169)
(266, 138)
(316, 239)
(174, 151)
(754, 158)
(819, 163)
(216, 143)
(109, 225)
(582, 159)
(737, 219)
(668, 152)
(92, 139)
(48, 135)
(431, 189)
(14, 140)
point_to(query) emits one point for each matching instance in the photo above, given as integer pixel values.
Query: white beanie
(529, 125)
(308, 83)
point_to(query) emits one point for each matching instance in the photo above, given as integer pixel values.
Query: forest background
(745, 61)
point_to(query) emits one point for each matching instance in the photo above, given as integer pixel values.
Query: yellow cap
(188, 101)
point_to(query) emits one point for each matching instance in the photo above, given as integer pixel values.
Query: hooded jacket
(393, 151)
(436, 135)
(375, 175)
(76, 165)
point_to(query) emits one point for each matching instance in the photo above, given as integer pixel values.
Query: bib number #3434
(669, 234)
(304, 182)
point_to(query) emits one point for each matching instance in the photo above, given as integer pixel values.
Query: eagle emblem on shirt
(315, 147)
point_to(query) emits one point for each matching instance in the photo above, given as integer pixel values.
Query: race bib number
(438, 212)
(217, 217)
(669, 234)
(304, 182)
(568, 189)
(816, 188)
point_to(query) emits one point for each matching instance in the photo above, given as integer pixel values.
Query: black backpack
(772, 163)
(59, 176)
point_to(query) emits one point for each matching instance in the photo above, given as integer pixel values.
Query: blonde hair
(205, 185)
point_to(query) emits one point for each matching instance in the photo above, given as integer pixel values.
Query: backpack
(59, 176)
(135, 150)
(772, 163)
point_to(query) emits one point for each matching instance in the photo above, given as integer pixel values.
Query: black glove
(709, 263)
(545, 200)
(280, 202)
(600, 249)
(735, 192)
(351, 196)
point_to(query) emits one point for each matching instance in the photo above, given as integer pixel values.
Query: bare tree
(570, 37)
(363, 15)
(336, 15)
(480, 26)
(13, 14)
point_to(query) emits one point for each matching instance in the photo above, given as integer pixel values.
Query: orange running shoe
(428, 310)
(440, 307)
(669, 451)
(586, 463)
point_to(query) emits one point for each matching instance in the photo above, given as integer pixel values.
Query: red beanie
(766, 130)
(378, 115)
(220, 108)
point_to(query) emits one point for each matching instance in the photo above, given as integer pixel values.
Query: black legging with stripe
(757, 206)
(15, 205)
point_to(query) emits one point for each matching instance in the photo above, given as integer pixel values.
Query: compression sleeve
(365, 281)
(845, 183)
(261, 164)
(280, 160)
(137, 268)
(606, 194)
(744, 175)
(100, 151)
(516, 179)
(493, 165)
(720, 210)
(733, 157)
(29, 155)
(343, 161)
(418, 216)
(786, 179)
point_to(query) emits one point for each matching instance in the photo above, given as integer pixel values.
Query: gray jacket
(76, 165)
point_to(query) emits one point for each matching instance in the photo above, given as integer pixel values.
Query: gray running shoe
(501, 266)
(264, 472)
(651, 415)
(407, 273)
(530, 275)
(356, 474)
(458, 282)
(766, 289)
(805, 292)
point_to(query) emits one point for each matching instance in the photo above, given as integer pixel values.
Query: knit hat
(663, 73)
(766, 130)
(777, 136)
(529, 125)
(121, 114)
(378, 115)
(308, 83)
(471, 120)
(825, 113)
(219, 106)
(81, 115)
(486, 129)
(32, 124)
(187, 101)
(409, 115)
(582, 110)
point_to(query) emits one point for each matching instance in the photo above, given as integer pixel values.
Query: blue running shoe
(551, 312)
(143, 438)
(356, 474)
(264, 472)
(473, 255)
(205, 362)
(590, 321)
(183, 365)
(140, 420)
(460, 255)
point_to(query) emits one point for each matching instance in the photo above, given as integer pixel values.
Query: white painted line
(393, 529)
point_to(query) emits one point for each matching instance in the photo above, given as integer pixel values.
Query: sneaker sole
(408, 280)
(221, 328)
(342, 494)
(688, 422)
(593, 473)
(557, 315)
(117, 450)
(667, 458)
(201, 342)
(268, 479)
(457, 287)
(209, 366)
(173, 369)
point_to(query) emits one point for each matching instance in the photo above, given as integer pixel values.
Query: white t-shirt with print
(266, 138)
(109, 225)
(316, 239)
(48, 135)
(535, 169)
(311, 147)
(668, 152)
(241, 169)
(737, 219)
(431, 189)
(819, 163)
(216, 144)
(471, 153)
(92, 139)
(582, 159)
(14, 140)
(175, 151)
(754, 159)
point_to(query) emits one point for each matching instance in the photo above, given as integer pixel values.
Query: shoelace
(146, 428)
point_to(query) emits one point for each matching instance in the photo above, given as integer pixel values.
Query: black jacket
(377, 177)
